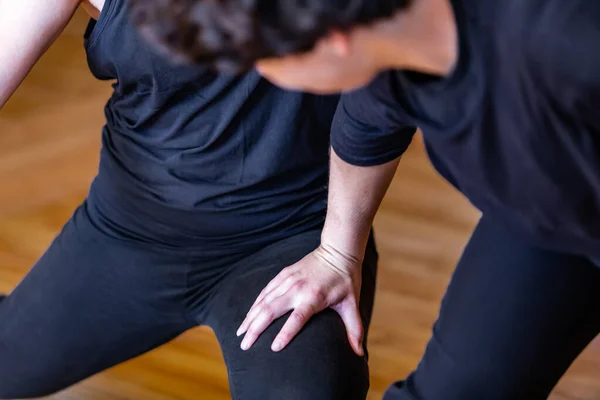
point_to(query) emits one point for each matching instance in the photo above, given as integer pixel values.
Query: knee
(326, 366)
(318, 364)
(330, 376)
(301, 380)
(310, 388)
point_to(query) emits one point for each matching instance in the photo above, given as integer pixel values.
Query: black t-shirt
(192, 158)
(516, 126)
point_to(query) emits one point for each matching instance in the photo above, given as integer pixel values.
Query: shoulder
(370, 127)
(377, 105)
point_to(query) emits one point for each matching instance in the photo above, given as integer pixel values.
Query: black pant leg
(89, 303)
(511, 323)
(319, 363)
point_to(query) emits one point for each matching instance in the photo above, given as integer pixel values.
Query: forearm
(27, 29)
(355, 194)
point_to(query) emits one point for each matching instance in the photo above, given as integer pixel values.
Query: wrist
(347, 240)
(338, 260)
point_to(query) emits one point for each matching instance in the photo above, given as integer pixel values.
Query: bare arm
(329, 277)
(355, 194)
(27, 29)
(369, 134)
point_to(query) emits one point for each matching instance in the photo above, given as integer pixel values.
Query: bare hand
(324, 279)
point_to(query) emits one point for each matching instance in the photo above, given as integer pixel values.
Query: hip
(133, 215)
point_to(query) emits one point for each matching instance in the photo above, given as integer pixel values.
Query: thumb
(348, 310)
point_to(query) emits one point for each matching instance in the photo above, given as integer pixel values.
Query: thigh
(512, 321)
(319, 363)
(88, 303)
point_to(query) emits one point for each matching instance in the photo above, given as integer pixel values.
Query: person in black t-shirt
(208, 186)
(506, 94)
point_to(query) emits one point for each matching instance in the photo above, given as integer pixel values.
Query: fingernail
(242, 329)
(276, 346)
(244, 345)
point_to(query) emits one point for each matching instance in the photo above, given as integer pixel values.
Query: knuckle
(298, 317)
(317, 295)
(252, 332)
(268, 298)
(285, 336)
(267, 311)
(299, 285)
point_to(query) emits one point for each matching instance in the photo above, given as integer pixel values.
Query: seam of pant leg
(232, 386)
(186, 313)
(188, 316)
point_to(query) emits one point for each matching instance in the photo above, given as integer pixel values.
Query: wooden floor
(49, 141)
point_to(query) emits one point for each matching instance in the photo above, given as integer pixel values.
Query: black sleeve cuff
(387, 150)
(378, 141)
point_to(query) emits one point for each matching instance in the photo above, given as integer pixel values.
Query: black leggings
(513, 320)
(93, 301)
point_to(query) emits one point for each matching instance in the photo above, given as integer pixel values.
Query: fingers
(306, 290)
(350, 314)
(293, 325)
(268, 298)
(266, 314)
(305, 302)
(278, 280)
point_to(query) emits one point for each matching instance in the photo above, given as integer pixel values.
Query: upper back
(515, 127)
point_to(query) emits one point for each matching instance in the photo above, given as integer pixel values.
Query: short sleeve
(370, 127)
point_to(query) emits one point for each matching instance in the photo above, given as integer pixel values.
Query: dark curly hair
(234, 34)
